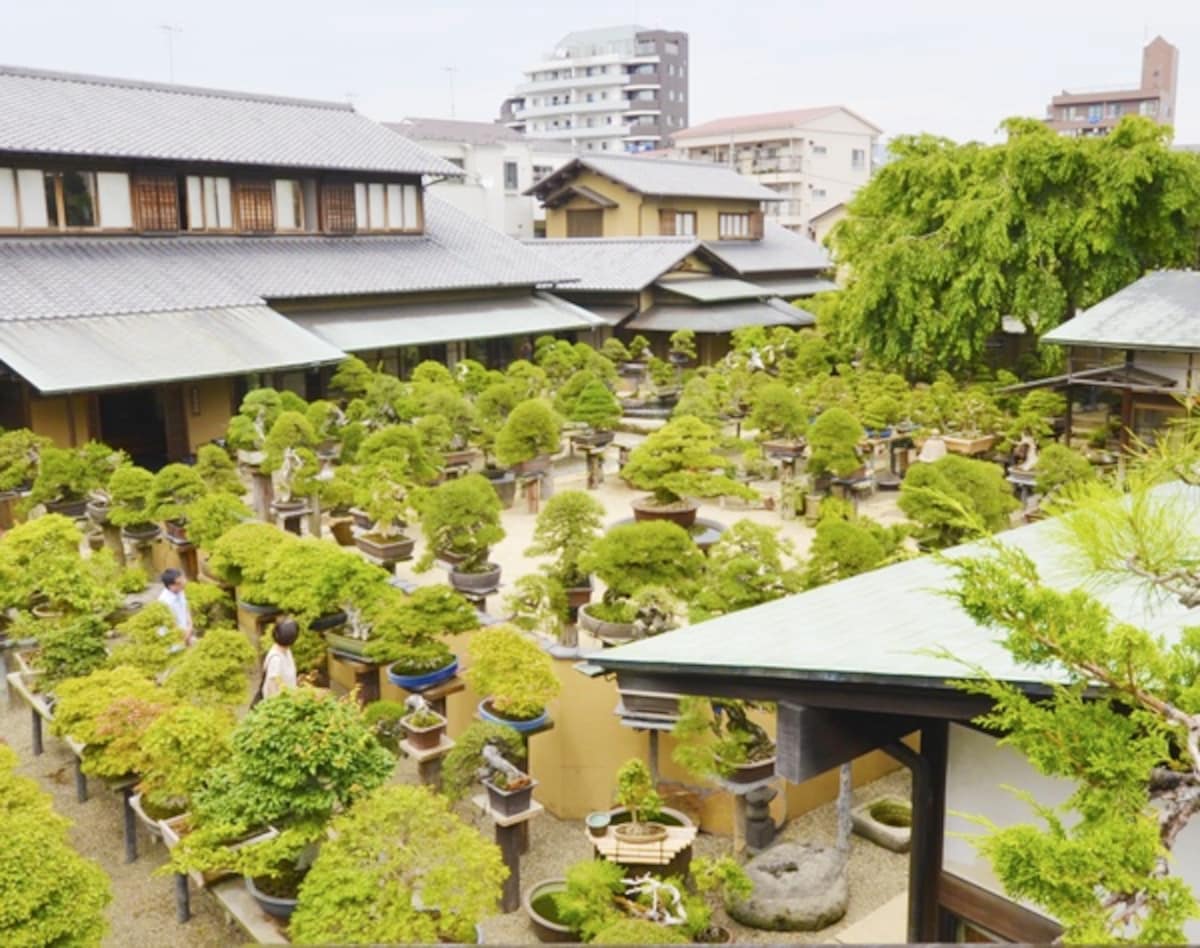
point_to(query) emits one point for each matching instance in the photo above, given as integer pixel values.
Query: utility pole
(170, 31)
(450, 71)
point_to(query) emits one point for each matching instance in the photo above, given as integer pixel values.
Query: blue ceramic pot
(532, 724)
(421, 682)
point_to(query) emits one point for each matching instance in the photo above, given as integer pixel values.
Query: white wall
(1173, 365)
(977, 771)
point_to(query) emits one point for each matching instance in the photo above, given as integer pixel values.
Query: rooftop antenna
(170, 31)
(450, 71)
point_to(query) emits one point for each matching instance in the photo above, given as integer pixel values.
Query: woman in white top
(279, 667)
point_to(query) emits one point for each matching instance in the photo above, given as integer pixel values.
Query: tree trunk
(844, 802)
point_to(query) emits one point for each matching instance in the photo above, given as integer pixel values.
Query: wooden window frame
(967, 902)
(593, 214)
(141, 183)
(253, 190)
(332, 204)
(727, 216)
(59, 225)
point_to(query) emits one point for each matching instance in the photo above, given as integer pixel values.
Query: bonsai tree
(779, 413)
(700, 400)
(51, 895)
(567, 525)
(435, 393)
(530, 379)
(720, 879)
(632, 556)
(312, 579)
(637, 793)
(538, 603)
(976, 413)
(242, 555)
(214, 671)
(460, 517)
(680, 460)
(639, 348)
(180, 748)
(40, 564)
(460, 768)
(656, 610)
(68, 647)
(847, 544)
(148, 641)
(596, 407)
(515, 676)
(132, 507)
(65, 475)
(405, 842)
(608, 908)
(1035, 415)
(211, 606)
(217, 471)
(20, 454)
(833, 443)
(173, 488)
(750, 564)
(533, 429)
(683, 343)
(715, 736)
(614, 350)
(248, 429)
(408, 630)
(352, 377)
(955, 498)
(290, 456)
(395, 460)
(211, 515)
(492, 407)
(1059, 467)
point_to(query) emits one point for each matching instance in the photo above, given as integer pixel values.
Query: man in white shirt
(175, 599)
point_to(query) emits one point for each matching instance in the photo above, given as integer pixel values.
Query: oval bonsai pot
(543, 913)
(326, 622)
(258, 608)
(649, 832)
(598, 823)
(668, 816)
(683, 513)
(386, 548)
(424, 680)
(424, 738)
(510, 802)
(476, 583)
(752, 772)
(141, 533)
(98, 510)
(288, 508)
(593, 439)
(74, 507)
(488, 713)
(153, 826)
(608, 631)
(785, 449)
(343, 531)
(273, 905)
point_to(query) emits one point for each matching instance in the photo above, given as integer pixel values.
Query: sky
(949, 68)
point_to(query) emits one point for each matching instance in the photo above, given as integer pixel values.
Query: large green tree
(947, 239)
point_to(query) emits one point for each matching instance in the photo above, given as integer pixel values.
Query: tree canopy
(947, 239)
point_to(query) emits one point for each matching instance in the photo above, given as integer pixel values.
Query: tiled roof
(655, 176)
(779, 250)
(1159, 311)
(763, 120)
(74, 276)
(453, 130)
(66, 114)
(613, 264)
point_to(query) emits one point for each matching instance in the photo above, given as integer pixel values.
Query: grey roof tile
(66, 114)
(780, 249)
(615, 264)
(663, 176)
(1159, 311)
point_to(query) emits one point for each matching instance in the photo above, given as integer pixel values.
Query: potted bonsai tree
(461, 523)
(132, 506)
(65, 476)
(423, 726)
(396, 460)
(598, 409)
(679, 462)
(181, 747)
(637, 793)
(241, 558)
(615, 351)
(515, 676)
(328, 421)
(407, 631)
(538, 603)
(214, 671)
(217, 471)
(20, 453)
(833, 446)
(718, 739)
(639, 352)
(210, 515)
(247, 431)
(175, 487)
(531, 434)
(937, 495)
(567, 525)
(42, 571)
(781, 419)
(682, 346)
(462, 766)
(973, 424)
(441, 877)
(289, 455)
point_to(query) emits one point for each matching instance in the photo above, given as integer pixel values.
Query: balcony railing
(778, 164)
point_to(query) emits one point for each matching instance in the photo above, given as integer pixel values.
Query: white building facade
(814, 159)
(623, 89)
(498, 164)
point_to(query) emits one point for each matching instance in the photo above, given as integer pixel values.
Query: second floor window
(733, 225)
(676, 223)
(289, 205)
(337, 207)
(71, 199)
(209, 203)
(858, 158)
(155, 202)
(254, 207)
(511, 181)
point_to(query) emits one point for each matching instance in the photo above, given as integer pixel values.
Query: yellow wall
(213, 398)
(706, 211)
(48, 416)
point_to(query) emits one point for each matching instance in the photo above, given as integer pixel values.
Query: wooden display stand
(510, 831)
(658, 853)
(429, 761)
(351, 672)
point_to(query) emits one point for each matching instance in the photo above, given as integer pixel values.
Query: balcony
(583, 108)
(777, 165)
(598, 131)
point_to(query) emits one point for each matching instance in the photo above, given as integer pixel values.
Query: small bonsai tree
(242, 555)
(215, 670)
(173, 488)
(750, 564)
(148, 641)
(955, 498)
(408, 630)
(69, 647)
(717, 735)
(492, 407)
(632, 556)
(533, 429)
(683, 343)
(1059, 467)
(680, 460)
(639, 348)
(290, 456)
(248, 429)
(1035, 415)
(68, 474)
(20, 453)
(509, 669)
(614, 350)
(180, 748)
(394, 461)
(460, 768)
(779, 412)
(210, 516)
(833, 443)
(217, 471)
(567, 526)
(637, 793)
(720, 879)
(132, 507)
(460, 517)
(312, 579)
(596, 407)
(405, 842)
(538, 603)
(50, 894)
(976, 413)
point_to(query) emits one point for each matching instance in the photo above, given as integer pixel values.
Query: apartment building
(497, 165)
(619, 89)
(1097, 112)
(813, 159)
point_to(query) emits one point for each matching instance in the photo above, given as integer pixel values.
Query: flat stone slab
(798, 887)
(896, 838)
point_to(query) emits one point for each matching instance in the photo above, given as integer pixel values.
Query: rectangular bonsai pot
(424, 738)
(509, 802)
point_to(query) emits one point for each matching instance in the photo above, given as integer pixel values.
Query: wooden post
(131, 852)
(262, 493)
(314, 516)
(112, 540)
(508, 838)
(36, 727)
(183, 900)
(81, 784)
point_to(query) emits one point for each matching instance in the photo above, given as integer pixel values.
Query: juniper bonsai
(680, 460)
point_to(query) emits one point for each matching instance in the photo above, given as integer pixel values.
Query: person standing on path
(175, 599)
(279, 668)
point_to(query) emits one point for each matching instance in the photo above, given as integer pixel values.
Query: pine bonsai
(637, 793)
(68, 474)
(596, 407)
(1059, 467)
(533, 430)
(132, 507)
(567, 526)
(955, 498)
(779, 412)
(460, 517)
(683, 343)
(20, 454)
(715, 736)
(633, 556)
(460, 769)
(173, 489)
(217, 471)
(833, 443)
(748, 566)
(408, 630)
(680, 460)
(614, 350)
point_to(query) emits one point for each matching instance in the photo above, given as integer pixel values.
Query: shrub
(40, 560)
(683, 342)
(214, 670)
(70, 473)
(180, 748)
(567, 525)
(833, 443)
(614, 350)
(955, 498)
(171, 491)
(533, 429)
(210, 606)
(744, 568)
(130, 488)
(632, 556)
(461, 517)
(588, 904)
(407, 630)
(69, 647)
(389, 848)
(312, 578)
(383, 718)
(596, 407)
(149, 641)
(509, 668)
(639, 931)
(680, 459)
(49, 894)
(538, 603)
(460, 768)
(217, 471)
(132, 580)
(639, 347)
(779, 412)
(20, 451)
(1058, 467)
(210, 516)
(242, 555)
(846, 546)
(352, 377)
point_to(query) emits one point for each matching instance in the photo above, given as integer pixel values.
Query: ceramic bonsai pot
(488, 713)
(273, 905)
(141, 533)
(73, 507)
(476, 583)
(95, 540)
(538, 465)
(153, 826)
(424, 738)
(98, 509)
(510, 802)
(389, 549)
(345, 644)
(593, 439)
(258, 608)
(608, 631)
(682, 513)
(343, 531)
(752, 772)
(288, 508)
(640, 833)
(598, 823)
(176, 530)
(785, 450)
(578, 596)
(419, 682)
(539, 905)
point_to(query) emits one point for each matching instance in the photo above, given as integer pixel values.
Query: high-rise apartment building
(1098, 112)
(620, 89)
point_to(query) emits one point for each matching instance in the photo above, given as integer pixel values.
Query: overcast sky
(932, 66)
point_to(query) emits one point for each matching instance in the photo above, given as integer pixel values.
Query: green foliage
(1035, 413)
(40, 561)
(70, 473)
(533, 429)
(639, 347)
(20, 450)
(352, 377)
(530, 379)
(311, 578)
(129, 487)
(538, 603)
(955, 498)
(639, 931)
(683, 342)
(257, 413)
(716, 735)
(700, 400)
(214, 670)
(181, 747)
(173, 488)
(390, 849)
(217, 471)
(408, 629)
(749, 565)
(149, 640)
(461, 517)
(596, 407)
(636, 791)
(492, 408)
(289, 455)
(509, 668)
(680, 459)
(632, 556)
(778, 412)
(614, 350)
(567, 525)
(948, 238)
(460, 768)
(1059, 467)
(242, 555)
(383, 718)
(132, 580)
(49, 894)
(721, 876)
(588, 904)
(213, 514)
(846, 544)
(69, 647)
(833, 442)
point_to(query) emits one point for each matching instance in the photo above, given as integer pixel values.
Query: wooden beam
(974, 904)
(811, 741)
